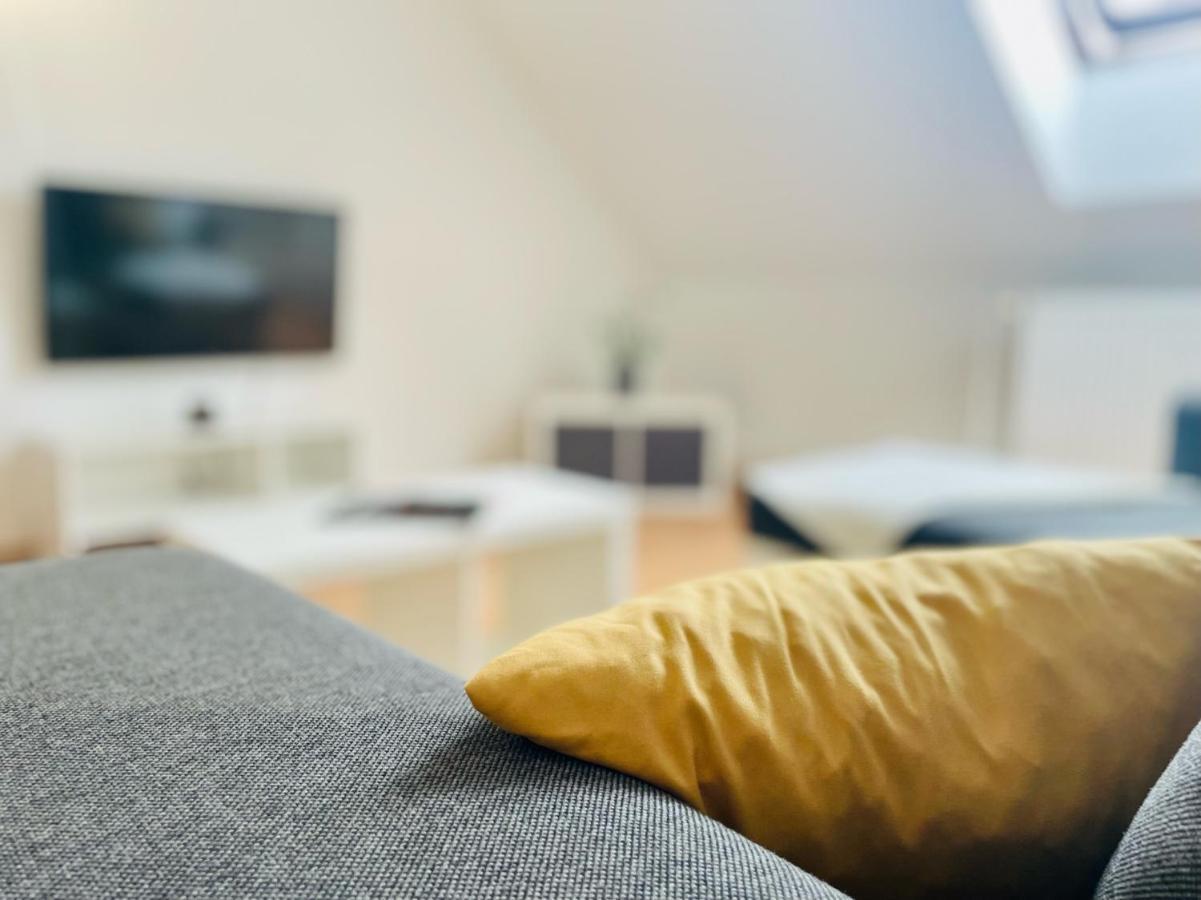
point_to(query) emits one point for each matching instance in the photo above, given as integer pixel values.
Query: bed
(880, 498)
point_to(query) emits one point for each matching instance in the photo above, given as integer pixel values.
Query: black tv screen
(129, 275)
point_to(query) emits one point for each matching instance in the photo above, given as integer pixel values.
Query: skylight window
(1107, 93)
(1109, 31)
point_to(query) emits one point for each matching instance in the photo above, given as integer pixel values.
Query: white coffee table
(545, 546)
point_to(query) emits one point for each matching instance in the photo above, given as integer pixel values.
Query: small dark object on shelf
(459, 511)
(201, 416)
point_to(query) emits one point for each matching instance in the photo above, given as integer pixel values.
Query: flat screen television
(129, 275)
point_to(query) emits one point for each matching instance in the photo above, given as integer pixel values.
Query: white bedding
(865, 500)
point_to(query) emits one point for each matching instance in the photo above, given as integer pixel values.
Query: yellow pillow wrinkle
(977, 723)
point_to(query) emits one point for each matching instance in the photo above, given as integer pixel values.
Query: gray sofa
(1160, 855)
(175, 727)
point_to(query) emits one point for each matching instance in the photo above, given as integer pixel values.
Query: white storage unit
(677, 450)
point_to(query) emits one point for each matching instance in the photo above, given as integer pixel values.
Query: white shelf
(125, 490)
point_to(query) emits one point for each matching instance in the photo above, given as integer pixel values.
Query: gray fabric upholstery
(1160, 856)
(174, 727)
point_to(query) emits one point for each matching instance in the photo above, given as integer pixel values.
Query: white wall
(838, 358)
(834, 195)
(474, 265)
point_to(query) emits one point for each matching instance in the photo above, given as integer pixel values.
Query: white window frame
(1104, 35)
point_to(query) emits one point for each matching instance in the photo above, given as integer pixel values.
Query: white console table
(544, 546)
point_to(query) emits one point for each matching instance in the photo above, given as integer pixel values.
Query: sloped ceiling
(769, 135)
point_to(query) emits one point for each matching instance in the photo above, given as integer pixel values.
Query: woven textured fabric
(175, 727)
(1160, 856)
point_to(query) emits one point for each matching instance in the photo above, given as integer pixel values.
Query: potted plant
(630, 341)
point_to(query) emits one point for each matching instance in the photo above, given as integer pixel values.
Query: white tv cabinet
(119, 492)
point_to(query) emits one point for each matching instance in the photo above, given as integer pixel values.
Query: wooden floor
(671, 549)
(676, 549)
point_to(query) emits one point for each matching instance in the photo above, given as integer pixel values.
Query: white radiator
(1096, 377)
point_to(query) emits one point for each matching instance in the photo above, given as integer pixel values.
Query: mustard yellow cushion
(968, 724)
